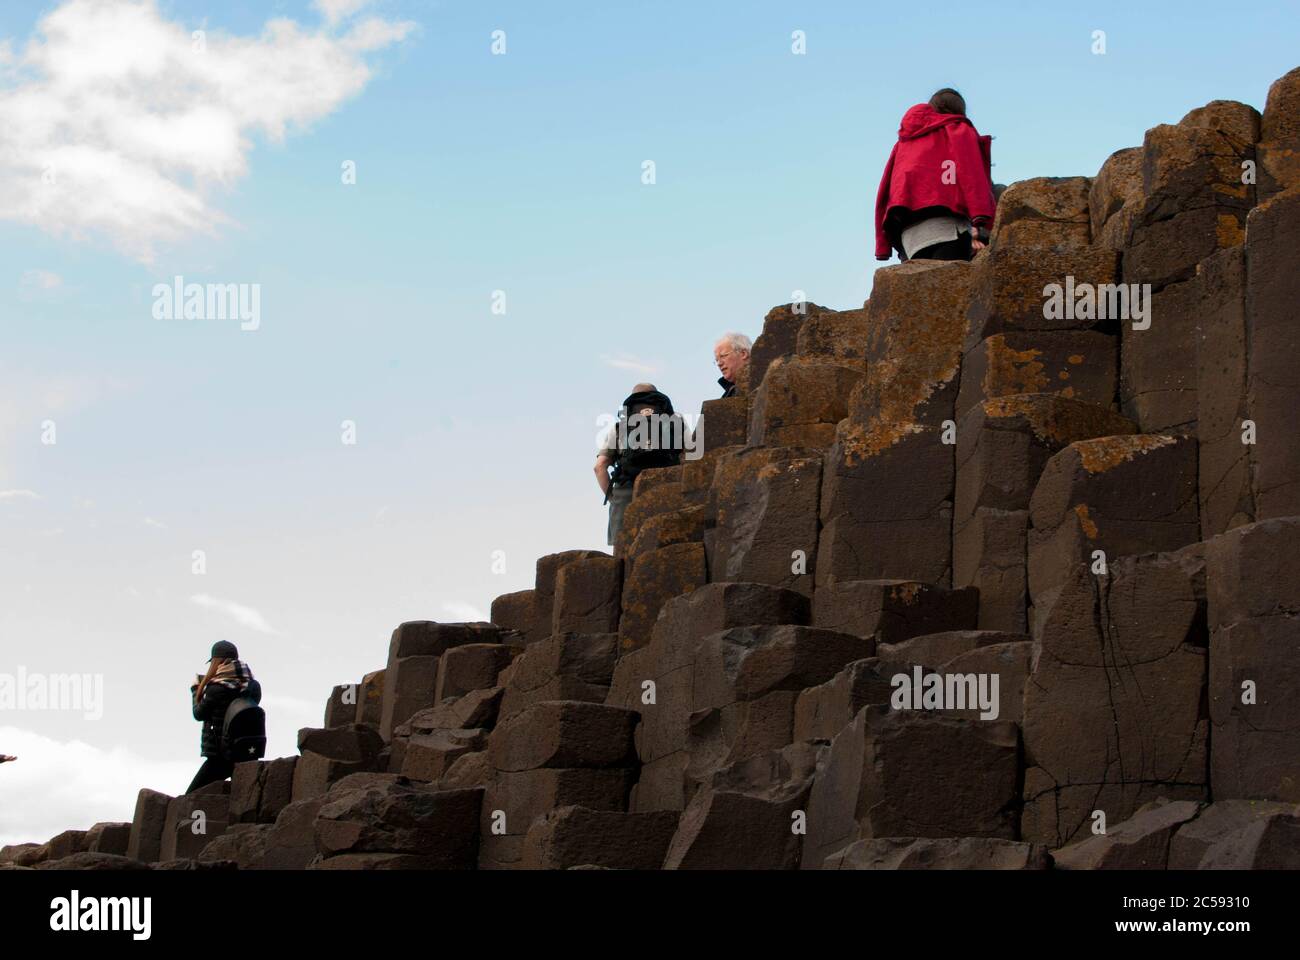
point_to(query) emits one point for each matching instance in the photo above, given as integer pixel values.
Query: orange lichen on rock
(1106, 453)
(1055, 417)
(1229, 231)
(1085, 521)
(906, 592)
(1232, 190)
(778, 467)
(1017, 369)
(917, 322)
(860, 443)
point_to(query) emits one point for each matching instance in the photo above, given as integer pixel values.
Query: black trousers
(958, 249)
(213, 770)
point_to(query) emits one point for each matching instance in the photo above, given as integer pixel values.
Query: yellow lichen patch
(734, 469)
(1055, 422)
(1085, 521)
(1063, 375)
(1076, 358)
(1106, 453)
(1229, 231)
(1232, 190)
(910, 385)
(1012, 371)
(890, 397)
(917, 316)
(859, 444)
(778, 467)
(1011, 405)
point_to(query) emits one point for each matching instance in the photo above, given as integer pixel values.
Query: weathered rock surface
(968, 853)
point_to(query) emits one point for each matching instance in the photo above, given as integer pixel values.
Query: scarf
(234, 674)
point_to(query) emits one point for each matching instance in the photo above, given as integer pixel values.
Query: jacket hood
(649, 397)
(923, 118)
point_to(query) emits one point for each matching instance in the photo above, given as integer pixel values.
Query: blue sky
(474, 173)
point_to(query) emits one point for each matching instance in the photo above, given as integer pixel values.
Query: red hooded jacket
(914, 176)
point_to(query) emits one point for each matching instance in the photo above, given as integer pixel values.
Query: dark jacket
(628, 463)
(217, 698)
(728, 388)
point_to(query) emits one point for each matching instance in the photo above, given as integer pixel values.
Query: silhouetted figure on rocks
(935, 200)
(228, 679)
(647, 434)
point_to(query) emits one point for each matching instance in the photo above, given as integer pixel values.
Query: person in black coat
(228, 678)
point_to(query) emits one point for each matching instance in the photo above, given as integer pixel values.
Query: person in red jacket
(936, 197)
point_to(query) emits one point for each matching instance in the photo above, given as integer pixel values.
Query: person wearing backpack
(935, 200)
(228, 682)
(646, 435)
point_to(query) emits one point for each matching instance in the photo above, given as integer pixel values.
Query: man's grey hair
(736, 341)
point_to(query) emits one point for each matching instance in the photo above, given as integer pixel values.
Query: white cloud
(113, 126)
(374, 33)
(243, 615)
(16, 494)
(336, 10)
(158, 524)
(39, 281)
(55, 786)
(464, 612)
(626, 362)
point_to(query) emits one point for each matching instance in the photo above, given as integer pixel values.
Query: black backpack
(660, 450)
(243, 732)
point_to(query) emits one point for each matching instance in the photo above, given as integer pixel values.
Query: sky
(460, 267)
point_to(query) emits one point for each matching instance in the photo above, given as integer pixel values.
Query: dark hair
(948, 100)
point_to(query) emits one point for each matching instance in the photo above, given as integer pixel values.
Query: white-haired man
(731, 354)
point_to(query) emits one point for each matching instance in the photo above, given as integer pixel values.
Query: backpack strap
(618, 477)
